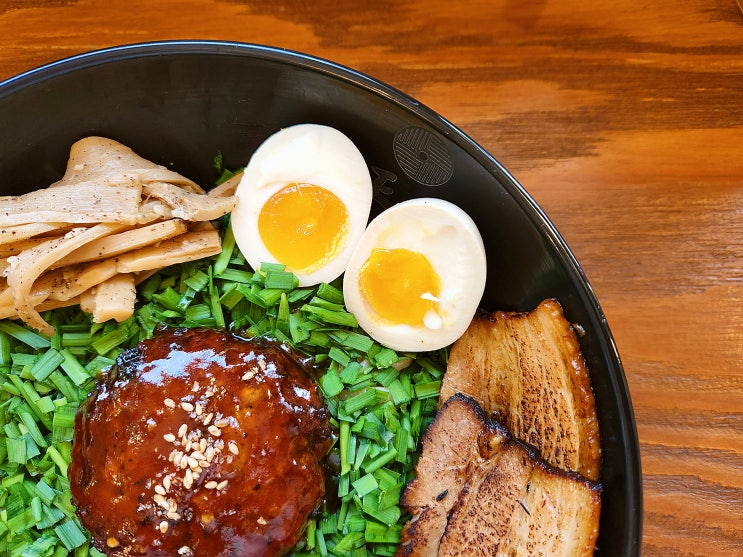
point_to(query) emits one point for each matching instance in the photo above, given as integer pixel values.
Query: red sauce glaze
(202, 444)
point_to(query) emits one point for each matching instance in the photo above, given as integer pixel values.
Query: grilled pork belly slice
(479, 491)
(528, 369)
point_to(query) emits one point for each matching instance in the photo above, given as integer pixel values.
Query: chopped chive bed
(381, 401)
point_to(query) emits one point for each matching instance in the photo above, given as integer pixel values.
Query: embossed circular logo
(422, 156)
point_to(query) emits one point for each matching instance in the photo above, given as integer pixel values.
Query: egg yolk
(303, 226)
(400, 285)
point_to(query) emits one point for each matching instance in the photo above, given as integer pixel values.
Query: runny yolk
(303, 226)
(400, 285)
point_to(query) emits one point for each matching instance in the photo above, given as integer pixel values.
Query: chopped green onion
(382, 533)
(321, 543)
(339, 356)
(26, 336)
(357, 341)
(330, 293)
(385, 458)
(224, 257)
(73, 368)
(108, 342)
(385, 357)
(46, 363)
(333, 317)
(231, 275)
(70, 534)
(16, 450)
(399, 393)
(365, 484)
(282, 280)
(427, 390)
(360, 401)
(331, 384)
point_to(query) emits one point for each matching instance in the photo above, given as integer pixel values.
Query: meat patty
(201, 444)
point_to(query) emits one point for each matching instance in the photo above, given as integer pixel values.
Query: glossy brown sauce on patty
(202, 444)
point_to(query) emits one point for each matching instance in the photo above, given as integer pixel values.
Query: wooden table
(623, 119)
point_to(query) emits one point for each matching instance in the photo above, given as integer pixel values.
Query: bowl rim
(447, 129)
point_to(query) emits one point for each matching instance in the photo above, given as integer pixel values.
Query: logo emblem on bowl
(422, 156)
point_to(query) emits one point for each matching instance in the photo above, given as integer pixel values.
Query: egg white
(451, 241)
(304, 153)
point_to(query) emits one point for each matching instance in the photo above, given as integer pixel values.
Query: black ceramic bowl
(179, 103)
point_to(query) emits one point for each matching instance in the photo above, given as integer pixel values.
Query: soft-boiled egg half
(303, 201)
(417, 275)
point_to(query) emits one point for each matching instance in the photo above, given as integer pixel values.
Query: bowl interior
(180, 103)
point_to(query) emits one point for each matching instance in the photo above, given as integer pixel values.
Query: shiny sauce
(201, 444)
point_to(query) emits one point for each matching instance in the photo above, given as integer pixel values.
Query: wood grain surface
(623, 119)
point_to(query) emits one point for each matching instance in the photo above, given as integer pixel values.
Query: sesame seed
(197, 455)
(221, 485)
(222, 423)
(169, 437)
(183, 463)
(112, 542)
(196, 386)
(159, 499)
(185, 550)
(182, 430)
(188, 479)
(261, 521)
(172, 454)
(248, 375)
(214, 430)
(202, 445)
(211, 485)
(192, 462)
(160, 489)
(164, 526)
(188, 446)
(199, 409)
(233, 448)
(166, 482)
(169, 402)
(204, 464)
(210, 393)
(172, 515)
(187, 406)
(207, 420)
(209, 453)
